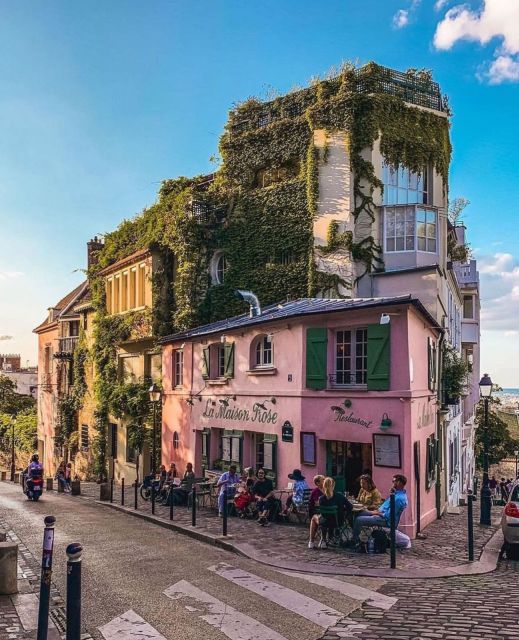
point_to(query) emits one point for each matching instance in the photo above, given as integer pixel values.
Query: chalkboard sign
(308, 448)
(386, 449)
(287, 432)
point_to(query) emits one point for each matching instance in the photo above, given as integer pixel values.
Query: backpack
(380, 540)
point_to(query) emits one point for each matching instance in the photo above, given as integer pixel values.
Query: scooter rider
(34, 470)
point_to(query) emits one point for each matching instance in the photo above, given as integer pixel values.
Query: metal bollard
(193, 506)
(152, 499)
(111, 489)
(74, 591)
(224, 514)
(470, 524)
(170, 495)
(46, 576)
(122, 492)
(136, 489)
(392, 529)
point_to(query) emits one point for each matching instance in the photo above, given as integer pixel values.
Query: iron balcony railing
(66, 346)
(347, 379)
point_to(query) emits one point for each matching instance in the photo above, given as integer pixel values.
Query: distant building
(10, 362)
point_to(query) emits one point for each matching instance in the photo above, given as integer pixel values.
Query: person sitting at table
(315, 495)
(263, 490)
(380, 517)
(189, 474)
(369, 496)
(172, 473)
(298, 491)
(226, 483)
(330, 498)
(250, 479)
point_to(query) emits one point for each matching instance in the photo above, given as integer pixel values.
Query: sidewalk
(442, 554)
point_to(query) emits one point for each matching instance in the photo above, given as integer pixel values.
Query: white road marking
(373, 598)
(293, 601)
(221, 616)
(128, 626)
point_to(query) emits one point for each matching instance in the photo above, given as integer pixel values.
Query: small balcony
(65, 347)
(467, 274)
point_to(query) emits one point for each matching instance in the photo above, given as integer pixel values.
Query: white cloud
(494, 19)
(439, 4)
(6, 337)
(401, 19)
(7, 275)
(499, 292)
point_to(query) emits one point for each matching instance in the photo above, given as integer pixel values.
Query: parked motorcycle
(33, 487)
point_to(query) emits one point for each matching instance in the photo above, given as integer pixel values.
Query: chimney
(93, 247)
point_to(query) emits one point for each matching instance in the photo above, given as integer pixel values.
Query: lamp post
(516, 453)
(13, 466)
(155, 395)
(485, 390)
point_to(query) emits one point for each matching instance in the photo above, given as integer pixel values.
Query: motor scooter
(33, 487)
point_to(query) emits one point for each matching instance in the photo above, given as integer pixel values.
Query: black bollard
(122, 492)
(152, 499)
(74, 591)
(224, 514)
(136, 489)
(470, 524)
(46, 576)
(170, 496)
(193, 506)
(392, 529)
(111, 489)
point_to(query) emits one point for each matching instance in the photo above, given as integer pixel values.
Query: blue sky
(100, 101)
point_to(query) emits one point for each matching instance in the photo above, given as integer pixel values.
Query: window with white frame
(402, 186)
(221, 361)
(410, 229)
(218, 267)
(468, 307)
(263, 352)
(351, 356)
(178, 375)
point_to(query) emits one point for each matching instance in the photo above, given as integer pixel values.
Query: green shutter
(431, 357)
(316, 358)
(205, 362)
(378, 357)
(228, 370)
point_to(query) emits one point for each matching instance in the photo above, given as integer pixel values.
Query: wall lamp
(338, 410)
(261, 405)
(225, 401)
(386, 422)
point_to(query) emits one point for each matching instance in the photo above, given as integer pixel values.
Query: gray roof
(300, 307)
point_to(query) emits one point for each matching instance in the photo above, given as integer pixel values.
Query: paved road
(141, 581)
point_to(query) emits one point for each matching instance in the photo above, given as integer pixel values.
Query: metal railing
(66, 346)
(347, 379)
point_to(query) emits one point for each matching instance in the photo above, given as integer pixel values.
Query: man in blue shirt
(227, 485)
(380, 518)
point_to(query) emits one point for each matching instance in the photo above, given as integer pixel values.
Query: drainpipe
(252, 299)
(439, 433)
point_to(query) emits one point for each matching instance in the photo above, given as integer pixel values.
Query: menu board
(386, 448)
(308, 448)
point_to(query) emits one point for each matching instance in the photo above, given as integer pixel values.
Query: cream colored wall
(83, 460)
(125, 295)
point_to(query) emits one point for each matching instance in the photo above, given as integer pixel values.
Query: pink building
(335, 387)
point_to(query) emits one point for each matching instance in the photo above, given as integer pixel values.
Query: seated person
(162, 476)
(369, 496)
(330, 498)
(298, 491)
(381, 517)
(263, 490)
(242, 499)
(315, 495)
(189, 475)
(250, 479)
(172, 472)
(227, 484)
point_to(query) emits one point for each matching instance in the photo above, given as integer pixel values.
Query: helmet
(35, 458)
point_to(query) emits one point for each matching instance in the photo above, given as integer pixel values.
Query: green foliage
(497, 435)
(456, 208)
(25, 430)
(454, 375)
(10, 401)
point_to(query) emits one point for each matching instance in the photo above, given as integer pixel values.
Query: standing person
(381, 517)
(298, 490)
(493, 484)
(68, 476)
(226, 483)
(60, 475)
(317, 492)
(503, 490)
(369, 495)
(263, 490)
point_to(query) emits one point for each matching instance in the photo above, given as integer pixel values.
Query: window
(263, 352)
(410, 229)
(231, 449)
(218, 361)
(133, 288)
(351, 356)
(117, 290)
(109, 295)
(131, 453)
(176, 440)
(141, 289)
(178, 374)
(468, 307)
(85, 321)
(84, 437)
(273, 175)
(130, 368)
(124, 292)
(221, 362)
(113, 440)
(153, 367)
(402, 186)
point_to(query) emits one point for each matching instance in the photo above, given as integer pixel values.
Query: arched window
(263, 352)
(218, 267)
(175, 440)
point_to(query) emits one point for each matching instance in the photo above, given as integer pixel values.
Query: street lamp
(13, 467)
(155, 395)
(485, 391)
(516, 453)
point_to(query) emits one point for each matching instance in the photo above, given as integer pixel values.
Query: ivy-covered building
(336, 190)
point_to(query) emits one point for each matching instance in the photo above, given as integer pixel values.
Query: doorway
(346, 461)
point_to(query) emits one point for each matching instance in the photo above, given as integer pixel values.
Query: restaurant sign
(342, 416)
(235, 413)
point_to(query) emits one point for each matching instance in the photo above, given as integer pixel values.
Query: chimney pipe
(252, 299)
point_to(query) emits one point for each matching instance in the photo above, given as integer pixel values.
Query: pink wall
(47, 400)
(305, 409)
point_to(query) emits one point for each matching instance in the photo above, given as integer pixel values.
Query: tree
(12, 402)
(456, 208)
(500, 444)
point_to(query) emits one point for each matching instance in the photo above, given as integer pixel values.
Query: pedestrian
(493, 484)
(68, 476)
(227, 485)
(503, 490)
(60, 475)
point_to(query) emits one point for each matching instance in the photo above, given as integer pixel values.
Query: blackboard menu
(308, 448)
(386, 448)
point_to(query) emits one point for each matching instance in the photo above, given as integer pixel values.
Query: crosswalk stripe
(221, 616)
(373, 598)
(293, 601)
(129, 626)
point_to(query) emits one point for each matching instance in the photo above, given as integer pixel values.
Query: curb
(486, 564)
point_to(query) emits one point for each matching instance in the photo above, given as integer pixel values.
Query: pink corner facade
(267, 416)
